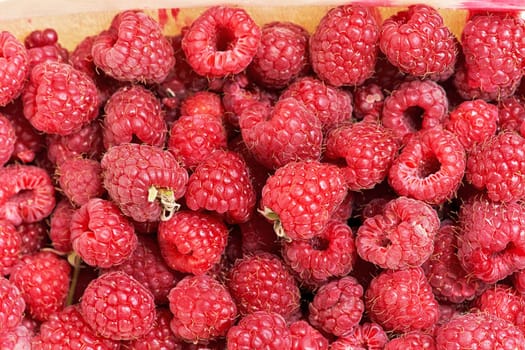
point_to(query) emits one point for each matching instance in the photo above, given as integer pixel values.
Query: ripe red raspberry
(14, 67)
(10, 247)
(192, 242)
(203, 102)
(26, 194)
(260, 330)
(415, 105)
(39, 38)
(221, 41)
(134, 49)
(366, 150)
(80, 179)
(345, 56)
(145, 181)
(43, 279)
(511, 113)
(402, 300)
(12, 305)
(518, 281)
(430, 166)
(478, 330)
(133, 111)
(59, 99)
(401, 237)
(160, 337)
(261, 282)
(331, 105)
(415, 340)
(498, 166)
(303, 213)
(257, 234)
(59, 222)
(7, 139)
(226, 170)
(282, 133)
(282, 55)
(418, 42)
(504, 302)
(101, 235)
(18, 338)
(117, 306)
(365, 336)
(337, 306)
(202, 309)
(304, 336)
(192, 138)
(368, 101)
(34, 236)
(331, 254)
(67, 329)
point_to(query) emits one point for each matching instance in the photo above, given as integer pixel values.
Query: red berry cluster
(250, 186)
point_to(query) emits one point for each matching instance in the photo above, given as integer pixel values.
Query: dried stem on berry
(167, 201)
(277, 225)
(75, 261)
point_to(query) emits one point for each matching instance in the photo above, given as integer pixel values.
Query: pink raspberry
(415, 340)
(365, 336)
(134, 49)
(304, 336)
(10, 247)
(221, 41)
(368, 101)
(504, 302)
(160, 337)
(17, 338)
(203, 102)
(7, 140)
(59, 225)
(345, 57)
(80, 179)
(14, 67)
(418, 42)
(402, 300)
(401, 237)
(12, 305)
(202, 309)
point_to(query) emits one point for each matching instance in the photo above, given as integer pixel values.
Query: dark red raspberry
(261, 282)
(203, 102)
(101, 235)
(7, 140)
(202, 309)
(39, 38)
(26, 194)
(221, 41)
(117, 306)
(418, 42)
(402, 236)
(12, 306)
(80, 179)
(366, 150)
(34, 236)
(345, 44)
(282, 133)
(430, 166)
(59, 99)
(415, 340)
(10, 247)
(14, 67)
(133, 112)
(134, 49)
(337, 306)
(43, 279)
(511, 113)
(257, 234)
(504, 302)
(304, 336)
(59, 222)
(160, 337)
(331, 105)
(414, 105)
(368, 101)
(402, 300)
(281, 56)
(145, 181)
(260, 330)
(365, 336)
(192, 242)
(226, 170)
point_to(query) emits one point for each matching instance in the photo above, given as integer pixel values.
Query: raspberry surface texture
(14, 67)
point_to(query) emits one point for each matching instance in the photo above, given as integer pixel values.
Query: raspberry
(26, 194)
(18, 338)
(478, 330)
(411, 341)
(344, 45)
(260, 330)
(101, 235)
(59, 99)
(133, 49)
(511, 112)
(414, 105)
(301, 197)
(117, 306)
(401, 237)
(366, 336)
(203, 102)
(133, 111)
(192, 242)
(504, 302)
(43, 280)
(261, 282)
(160, 337)
(518, 281)
(80, 179)
(281, 56)
(402, 301)
(473, 122)
(366, 150)
(304, 336)
(136, 175)
(7, 139)
(14, 67)
(221, 41)
(202, 309)
(332, 254)
(331, 105)
(337, 306)
(221, 183)
(430, 167)
(39, 38)
(417, 42)
(12, 305)
(59, 226)
(498, 166)
(257, 234)
(34, 236)
(368, 101)
(279, 134)
(10, 247)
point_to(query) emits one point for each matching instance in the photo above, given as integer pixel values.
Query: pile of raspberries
(248, 186)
